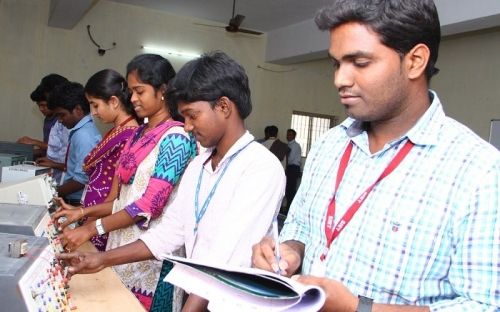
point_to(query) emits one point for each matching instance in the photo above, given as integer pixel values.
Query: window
(310, 127)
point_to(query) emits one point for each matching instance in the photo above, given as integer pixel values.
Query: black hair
(47, 84)
(292, 131)
(210, 77)
(400, 24)
(67, 96)
(107, 83)
(156, 71)
(272, 130)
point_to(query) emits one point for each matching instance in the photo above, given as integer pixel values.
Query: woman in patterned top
(108, 96)
(150, 166)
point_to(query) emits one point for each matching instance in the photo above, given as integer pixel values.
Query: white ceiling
(283, 20)
(261, 15)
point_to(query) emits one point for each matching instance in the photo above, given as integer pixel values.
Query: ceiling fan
(235, 23)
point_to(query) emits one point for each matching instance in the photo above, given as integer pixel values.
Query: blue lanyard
(200, 213)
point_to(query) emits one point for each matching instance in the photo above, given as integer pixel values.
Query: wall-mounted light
(170, 52)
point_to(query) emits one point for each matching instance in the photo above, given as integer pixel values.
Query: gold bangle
(81, 209)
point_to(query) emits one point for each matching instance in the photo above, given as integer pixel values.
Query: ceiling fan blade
(236, 20)
(248, 31)
(208, 25)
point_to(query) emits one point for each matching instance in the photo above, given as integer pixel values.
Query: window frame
(332, 119)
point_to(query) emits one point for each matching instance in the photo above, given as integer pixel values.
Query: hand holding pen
(284, 259)
(276, 246)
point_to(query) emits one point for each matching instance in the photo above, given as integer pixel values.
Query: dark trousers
(292, 176)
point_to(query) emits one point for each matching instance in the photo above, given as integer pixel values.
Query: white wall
(29, 49)
(469, 81)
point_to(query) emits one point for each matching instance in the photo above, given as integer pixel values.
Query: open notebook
(243, 289)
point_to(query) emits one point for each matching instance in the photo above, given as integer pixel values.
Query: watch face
(99, 227)
(365, 304)
(365, 300)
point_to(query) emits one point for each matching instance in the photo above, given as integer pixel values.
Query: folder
(243, 289)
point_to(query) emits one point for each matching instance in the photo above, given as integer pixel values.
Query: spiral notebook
(243, 289)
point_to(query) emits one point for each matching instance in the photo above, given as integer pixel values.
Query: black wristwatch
(364, 304)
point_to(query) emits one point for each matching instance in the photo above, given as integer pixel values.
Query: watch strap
(99, 228)
(364, 304)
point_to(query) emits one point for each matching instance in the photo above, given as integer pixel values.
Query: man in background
(275, 145)
(266, 136)
(292, 169)
(40, 96)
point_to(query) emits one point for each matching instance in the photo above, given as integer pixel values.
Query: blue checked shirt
(57, 147)
(428, 234)
(83, 137)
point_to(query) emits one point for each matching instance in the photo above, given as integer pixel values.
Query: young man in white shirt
(228, 196)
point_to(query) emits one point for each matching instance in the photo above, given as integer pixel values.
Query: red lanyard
(332, 232)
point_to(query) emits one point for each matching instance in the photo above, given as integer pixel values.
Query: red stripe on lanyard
(331, 231)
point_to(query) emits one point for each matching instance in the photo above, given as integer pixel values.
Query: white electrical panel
(35, 281)
(22, 172)
(37, 190)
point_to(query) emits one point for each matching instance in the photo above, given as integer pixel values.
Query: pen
(276, 244)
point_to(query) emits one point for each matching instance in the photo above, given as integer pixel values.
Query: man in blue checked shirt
(70, 106)
(398, 208)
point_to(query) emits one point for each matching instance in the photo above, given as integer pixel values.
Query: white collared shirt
(240, 212)
(294, 157)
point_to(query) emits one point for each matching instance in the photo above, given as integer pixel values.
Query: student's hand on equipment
(62, 204)
(26, 140)
(338, 297)
(71, 239)
(264, 257)
(68, 212)
(82, 262)
(44, 161)
(71, 215)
